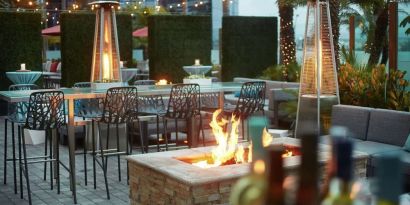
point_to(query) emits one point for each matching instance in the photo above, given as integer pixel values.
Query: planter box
(199, 81)
(105, 86)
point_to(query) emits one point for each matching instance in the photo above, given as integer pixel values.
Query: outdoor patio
(204, 102)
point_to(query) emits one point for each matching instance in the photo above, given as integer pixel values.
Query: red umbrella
(52, 31)
(142, 32)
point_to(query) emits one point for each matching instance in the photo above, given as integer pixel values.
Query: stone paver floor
(41, 193)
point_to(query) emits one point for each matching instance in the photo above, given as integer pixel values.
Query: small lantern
(106, 54)
(318, 83)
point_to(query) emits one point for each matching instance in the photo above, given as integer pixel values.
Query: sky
(269, 8)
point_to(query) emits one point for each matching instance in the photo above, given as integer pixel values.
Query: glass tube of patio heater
(318, 84)
(107, 63)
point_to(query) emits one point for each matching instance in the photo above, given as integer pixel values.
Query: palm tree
(334, 6)
(287, 32)
(374, 24)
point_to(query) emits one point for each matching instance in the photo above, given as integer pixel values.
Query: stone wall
(150, 187)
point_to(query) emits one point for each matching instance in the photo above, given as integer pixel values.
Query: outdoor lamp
(318, 82)
(106, 55)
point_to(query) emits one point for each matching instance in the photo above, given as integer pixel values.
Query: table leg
(192, 132)
(54, 143)
(71, 147)
(221, 99)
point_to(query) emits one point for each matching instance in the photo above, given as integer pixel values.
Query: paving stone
(41, 193)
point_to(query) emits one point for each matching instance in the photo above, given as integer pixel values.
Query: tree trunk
(334, 6)
(287, 33)
(380, 34)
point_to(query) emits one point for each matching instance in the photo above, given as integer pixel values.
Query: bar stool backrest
(17, 111)
(88, 108)
(153, 104)
(120, 105)
(46, 110)
(82, 85)
(251, 99)
(184, 102)
(210, 100)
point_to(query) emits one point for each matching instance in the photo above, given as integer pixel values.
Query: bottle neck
(385, 202)
(345, 187)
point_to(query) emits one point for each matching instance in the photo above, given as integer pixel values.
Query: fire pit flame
(227, 143)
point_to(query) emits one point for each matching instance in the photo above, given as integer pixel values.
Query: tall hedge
(20, 42)
(175, 41)
(249, 45)
(77, 38)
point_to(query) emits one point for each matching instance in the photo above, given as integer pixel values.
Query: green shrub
(249, 46)
(372, 87)
(20, 40)
(176, 41)
(288, 73)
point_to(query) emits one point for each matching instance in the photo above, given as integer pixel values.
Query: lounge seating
(375, 131)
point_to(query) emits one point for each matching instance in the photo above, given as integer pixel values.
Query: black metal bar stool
(184, 104)
(251, 100)
(46, 111)
(87, 109)
(16, 115)
(120, 107)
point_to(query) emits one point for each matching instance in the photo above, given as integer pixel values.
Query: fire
(287, 154)
(162, 82)
(227, 143)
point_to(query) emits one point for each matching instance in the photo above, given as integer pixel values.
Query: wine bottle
(275, 175)
(343, 149)
(307, 192)
(389, 183)
(251, 189)
(335, 133)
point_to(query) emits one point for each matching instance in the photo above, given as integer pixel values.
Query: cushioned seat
(373, 148)
(389, 126)
(354, 118)
(325, 139)
(405, 157)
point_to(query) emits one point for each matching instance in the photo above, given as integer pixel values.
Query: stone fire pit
(161, 178)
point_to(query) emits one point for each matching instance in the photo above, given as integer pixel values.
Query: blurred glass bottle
(342, 182)
(275, 194)
(308, 190)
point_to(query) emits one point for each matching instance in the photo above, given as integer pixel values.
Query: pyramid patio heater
(318, 83)
(105, 70)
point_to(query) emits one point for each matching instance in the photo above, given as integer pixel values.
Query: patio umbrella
(52, 31)
(142, 32)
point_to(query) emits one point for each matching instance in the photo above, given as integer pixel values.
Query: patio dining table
(27, 77)
(72, 94)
